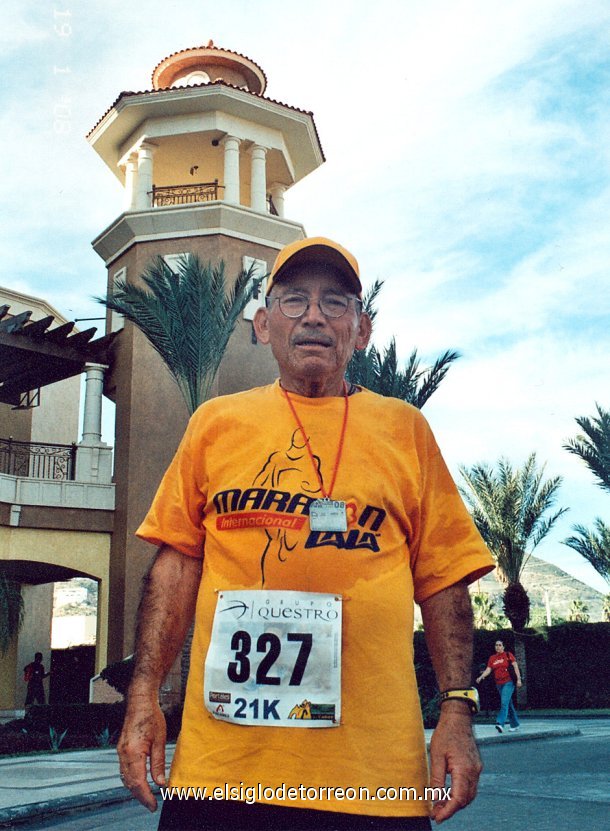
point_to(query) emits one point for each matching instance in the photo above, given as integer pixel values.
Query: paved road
(554, 785)
(548, 785)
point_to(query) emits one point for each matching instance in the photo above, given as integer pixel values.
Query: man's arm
(447, 620)
(165, 613)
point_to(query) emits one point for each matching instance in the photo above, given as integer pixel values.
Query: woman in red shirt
(499, 664)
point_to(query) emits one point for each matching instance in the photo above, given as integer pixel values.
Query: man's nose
(313, 313)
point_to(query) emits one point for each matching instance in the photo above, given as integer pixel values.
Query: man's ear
(261, 324)
(365, 329)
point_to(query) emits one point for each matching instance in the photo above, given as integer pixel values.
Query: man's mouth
(302, 341)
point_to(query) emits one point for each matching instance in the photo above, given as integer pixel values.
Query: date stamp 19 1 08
(62, 107)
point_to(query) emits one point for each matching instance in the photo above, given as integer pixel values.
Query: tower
(205, 159)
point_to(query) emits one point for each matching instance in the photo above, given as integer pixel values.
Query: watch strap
(470, 695)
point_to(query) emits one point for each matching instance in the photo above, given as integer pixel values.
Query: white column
(231, 147)
(277, 191)
(258, 180)
(93, 456)
(131, 182)
(92, 417)
(143, 194)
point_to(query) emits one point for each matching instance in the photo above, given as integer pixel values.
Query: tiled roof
(218, 83)
(210, 45)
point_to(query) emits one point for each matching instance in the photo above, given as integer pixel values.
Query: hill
(540, 577)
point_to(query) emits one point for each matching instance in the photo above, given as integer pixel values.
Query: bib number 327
(275, 659)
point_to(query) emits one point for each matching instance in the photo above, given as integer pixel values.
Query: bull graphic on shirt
(302, 710)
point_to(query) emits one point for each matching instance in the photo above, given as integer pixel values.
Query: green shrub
(567, 666)
(118, 675)
(79, 718)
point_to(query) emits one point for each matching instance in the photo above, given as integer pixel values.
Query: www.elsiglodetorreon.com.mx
(283, 793)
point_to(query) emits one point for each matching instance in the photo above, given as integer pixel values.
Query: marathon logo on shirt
(259, 519)
(279, 515)
(270, 509)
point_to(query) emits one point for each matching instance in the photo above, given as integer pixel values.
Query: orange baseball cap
(316, 250)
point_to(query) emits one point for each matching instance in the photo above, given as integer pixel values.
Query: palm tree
(578, 612)
(593, 445)
(509, 507)
(484, 611)
(187, 317)
(11, 612)
(379, 372)
(594, 546)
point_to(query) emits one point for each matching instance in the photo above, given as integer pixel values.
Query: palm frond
(430, 379)
(369, 299)
(593, 445)
(11, 612)
(380, 373)
(187, 317)
(594, 546)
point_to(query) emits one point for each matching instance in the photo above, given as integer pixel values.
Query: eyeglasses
(295, 305)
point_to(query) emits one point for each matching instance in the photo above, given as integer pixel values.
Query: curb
(9, 817)
(501, 738)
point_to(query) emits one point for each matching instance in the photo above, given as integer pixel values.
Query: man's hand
(142, 747)
(165, 613)
(453, 753)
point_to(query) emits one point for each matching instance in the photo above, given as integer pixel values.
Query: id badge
(327, 515)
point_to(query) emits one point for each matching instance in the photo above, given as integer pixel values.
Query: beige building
(56, 493)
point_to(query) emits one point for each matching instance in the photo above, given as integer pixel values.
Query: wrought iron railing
(185, 194)
(189, 194)
(38, 459)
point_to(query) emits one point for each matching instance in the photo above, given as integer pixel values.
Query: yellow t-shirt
(239, 488)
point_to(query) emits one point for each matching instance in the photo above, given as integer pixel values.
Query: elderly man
(298, 522)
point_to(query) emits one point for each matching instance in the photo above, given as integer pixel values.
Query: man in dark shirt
(33, 675)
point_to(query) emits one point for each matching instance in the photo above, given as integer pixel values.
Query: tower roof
(208, 64)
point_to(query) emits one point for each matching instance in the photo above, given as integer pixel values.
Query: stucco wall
(82, 552)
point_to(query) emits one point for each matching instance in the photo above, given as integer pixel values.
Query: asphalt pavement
(37, 786)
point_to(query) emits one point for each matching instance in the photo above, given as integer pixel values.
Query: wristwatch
(470, 695)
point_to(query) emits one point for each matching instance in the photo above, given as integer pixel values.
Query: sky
(467, 166)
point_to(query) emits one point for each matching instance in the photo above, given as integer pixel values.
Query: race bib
(274, 659)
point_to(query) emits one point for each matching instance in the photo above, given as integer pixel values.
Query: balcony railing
(38, 460)
(167, 195)
(185, 194)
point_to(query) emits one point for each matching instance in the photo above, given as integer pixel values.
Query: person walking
(33, 675)
(507, 675)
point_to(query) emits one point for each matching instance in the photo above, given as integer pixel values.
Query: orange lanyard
(325, 494)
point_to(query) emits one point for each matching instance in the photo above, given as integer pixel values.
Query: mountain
(539, 577)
